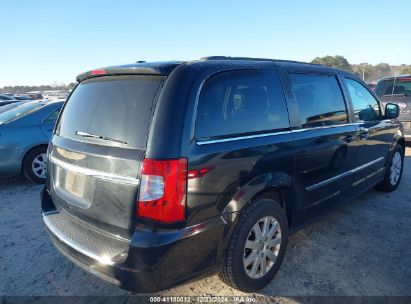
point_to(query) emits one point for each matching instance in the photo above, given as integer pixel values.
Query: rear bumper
(155, 260)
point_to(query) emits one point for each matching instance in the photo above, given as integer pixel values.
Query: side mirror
(392, 110)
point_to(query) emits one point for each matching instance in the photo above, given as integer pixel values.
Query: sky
(50, 42)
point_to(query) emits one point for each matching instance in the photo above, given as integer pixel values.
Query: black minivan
(162, 172)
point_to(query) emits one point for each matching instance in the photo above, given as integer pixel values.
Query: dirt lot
(362, 248)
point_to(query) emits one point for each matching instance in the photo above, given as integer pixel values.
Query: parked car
(397, 89)
(371, 85)
(5, 100)
(25, 130)
(4, 97)
(22, 97)
(34, 95)
(161, 172)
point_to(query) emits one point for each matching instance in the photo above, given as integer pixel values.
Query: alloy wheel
(395, 169)
(39, 165)
(262, 247)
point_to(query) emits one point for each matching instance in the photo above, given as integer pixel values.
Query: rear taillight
(162, 194)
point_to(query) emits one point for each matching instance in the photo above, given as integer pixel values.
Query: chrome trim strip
(207, 142)
(61, 237)
(95, 173)
(325, 198)
(342, 175)
(356, 183)
(325, 127)
(214, 141)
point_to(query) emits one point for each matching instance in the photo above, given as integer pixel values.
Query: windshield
(14, 112)
(110, 110)
(398, 86)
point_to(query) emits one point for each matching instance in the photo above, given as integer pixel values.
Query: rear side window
(319, 99)
(365, 105)
(52, 117)
(111, 111)
(241, 102)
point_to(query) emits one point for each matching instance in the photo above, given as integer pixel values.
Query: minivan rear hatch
(96, 151)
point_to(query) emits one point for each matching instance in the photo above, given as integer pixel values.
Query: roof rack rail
(251, 59)
(234, 58)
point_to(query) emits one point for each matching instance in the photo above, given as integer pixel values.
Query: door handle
(363, 135)
(348, 138)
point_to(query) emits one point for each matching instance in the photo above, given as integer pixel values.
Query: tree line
(25, 89)
(366, 71)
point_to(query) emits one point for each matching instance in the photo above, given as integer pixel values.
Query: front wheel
(393, 174)
(257, 246)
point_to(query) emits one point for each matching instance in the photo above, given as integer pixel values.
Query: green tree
(382, 70)
(337, 61)
(71, 86)
(363, 70)
(405, 69)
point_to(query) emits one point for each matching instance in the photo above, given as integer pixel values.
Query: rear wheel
(393, 174)
(257, 246)
(35, 165)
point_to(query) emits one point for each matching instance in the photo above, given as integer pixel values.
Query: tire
(34, 165)
(239, 253)
(393, 173)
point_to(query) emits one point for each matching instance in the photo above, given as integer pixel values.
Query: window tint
(116, 107)
(365, 105)
(397, 86)
(239, 102)
(52, 118)
(319, 99)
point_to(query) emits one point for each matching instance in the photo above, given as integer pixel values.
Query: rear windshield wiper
(85, 134)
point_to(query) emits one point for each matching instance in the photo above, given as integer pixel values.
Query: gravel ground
(362, 248)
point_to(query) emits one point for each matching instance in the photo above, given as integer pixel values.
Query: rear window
(14, 112)
(399, 86)
(111, 111)
(241, 102)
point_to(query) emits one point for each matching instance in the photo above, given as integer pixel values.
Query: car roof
(166, 67)
(54, 101)
(45, 102)
(392, 77)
